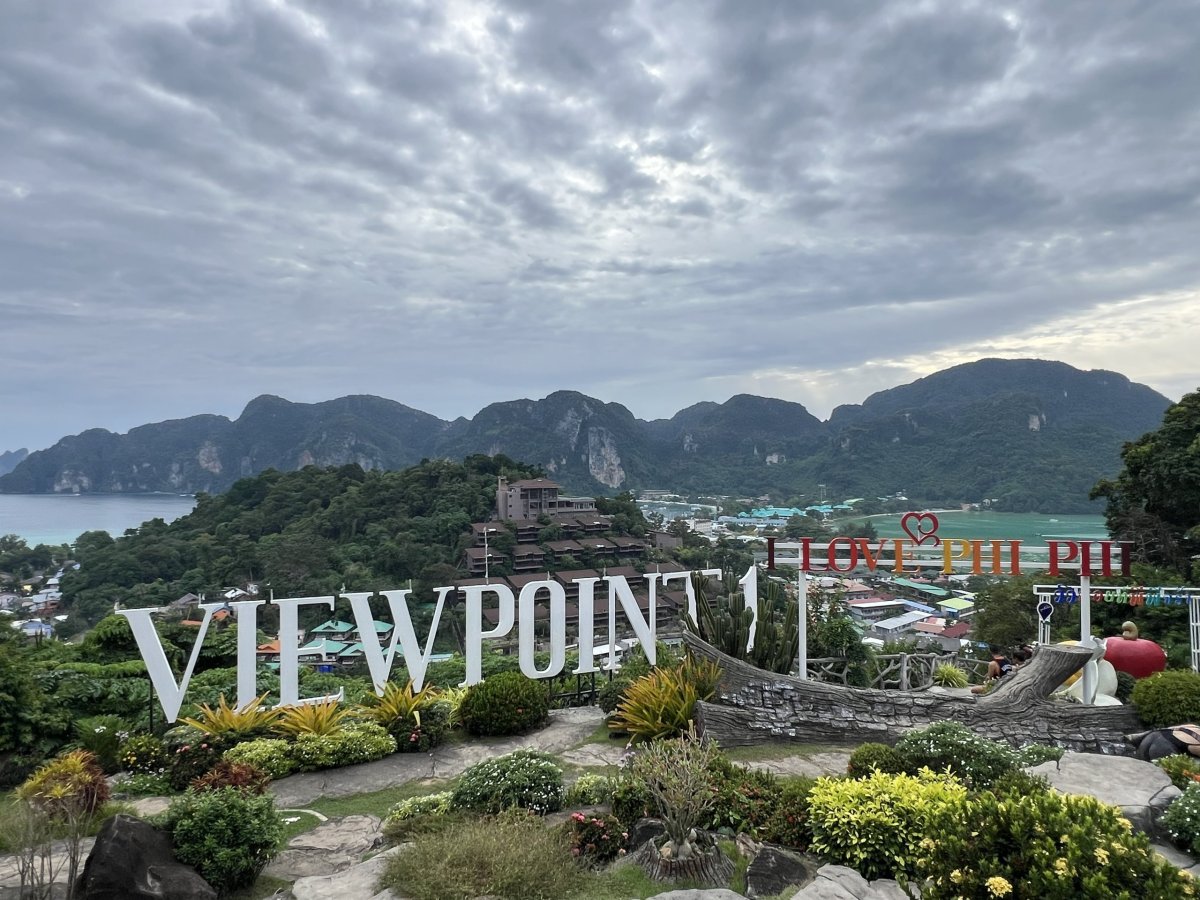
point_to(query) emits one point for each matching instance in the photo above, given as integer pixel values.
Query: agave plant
(398, 704)
(453, 696)
(326, 717)
(949, 675)
(252, 719)
(662, 703)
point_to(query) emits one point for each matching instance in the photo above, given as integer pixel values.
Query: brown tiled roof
(479, 552)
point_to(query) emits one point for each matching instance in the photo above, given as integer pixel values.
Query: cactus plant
(725, 623)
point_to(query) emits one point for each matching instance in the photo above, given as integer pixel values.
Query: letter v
(170, 694)
(869, 553)
(403, 633)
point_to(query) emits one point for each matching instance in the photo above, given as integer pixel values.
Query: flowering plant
(596, 839)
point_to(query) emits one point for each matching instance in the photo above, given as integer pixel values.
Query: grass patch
(376, 803)
(505, 856)
(305, 821)
(737, 883)
(602, 735)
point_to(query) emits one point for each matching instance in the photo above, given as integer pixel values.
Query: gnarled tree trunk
(753, 706)
(707, 866)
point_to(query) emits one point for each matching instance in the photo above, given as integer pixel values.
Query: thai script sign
(1132, 596)
(512, 610)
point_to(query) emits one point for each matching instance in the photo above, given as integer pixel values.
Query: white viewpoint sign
(512, 609)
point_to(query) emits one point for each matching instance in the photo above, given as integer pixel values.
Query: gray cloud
(203, 200)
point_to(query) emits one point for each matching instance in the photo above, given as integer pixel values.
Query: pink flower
(578, 817)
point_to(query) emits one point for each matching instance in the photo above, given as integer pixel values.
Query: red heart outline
(922, 534)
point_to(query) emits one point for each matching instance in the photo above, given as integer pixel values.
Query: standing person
(1000, 666)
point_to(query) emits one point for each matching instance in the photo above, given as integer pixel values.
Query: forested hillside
(1030, 435)
(301, 533)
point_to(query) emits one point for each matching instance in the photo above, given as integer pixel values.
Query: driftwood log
(753, 706)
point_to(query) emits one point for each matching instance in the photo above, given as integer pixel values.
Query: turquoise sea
(61, 518)
(1033, 528)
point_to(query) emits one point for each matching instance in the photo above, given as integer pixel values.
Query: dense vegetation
(1155, 500)
(304, 533)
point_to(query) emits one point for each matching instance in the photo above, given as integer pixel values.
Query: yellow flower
(928, 844)
(1126, 824)
(956, 876)
(1101, 856)
(1061, 867)
(998, 887)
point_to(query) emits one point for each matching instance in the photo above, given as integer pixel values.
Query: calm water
(1033, 528)
(60, 518)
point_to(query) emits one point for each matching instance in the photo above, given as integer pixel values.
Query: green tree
(1155, 500)
(1006, 613)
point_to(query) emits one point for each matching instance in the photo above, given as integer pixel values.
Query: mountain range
(1028, 434)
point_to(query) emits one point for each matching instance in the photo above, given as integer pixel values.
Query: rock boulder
(1141, 789)
(133, 861)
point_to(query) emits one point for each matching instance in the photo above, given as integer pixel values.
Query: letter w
(416, 658)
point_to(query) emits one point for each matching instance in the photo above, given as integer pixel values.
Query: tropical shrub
(1182, 818)
(245, 724)
(68, 787)
(595, 839)
(143, 784)
(143, 754)
(631, 799)
(56, 807)
(788, 825)
(524, 778)
(661, 704)
(612, 692)
(868, 758)
(589, 789)
(508, 703)
(1036, 754)
(189, 761)
(1018, 783)
(678, 775)
(270, 755)
(1042, 846)
(875, 824)
(101, 736)
(743, 800)
(1182, 769)
(225, 774)
(415, 814)
(1168, 698)
(453, 698)
(356, 743)
(324, 718)
(949, 746)
(226, 834)
(417, 720)
(949, 675)
(429, 733)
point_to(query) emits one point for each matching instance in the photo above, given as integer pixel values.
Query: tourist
(997, 669)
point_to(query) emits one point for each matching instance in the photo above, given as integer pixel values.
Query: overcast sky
(652, 202)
